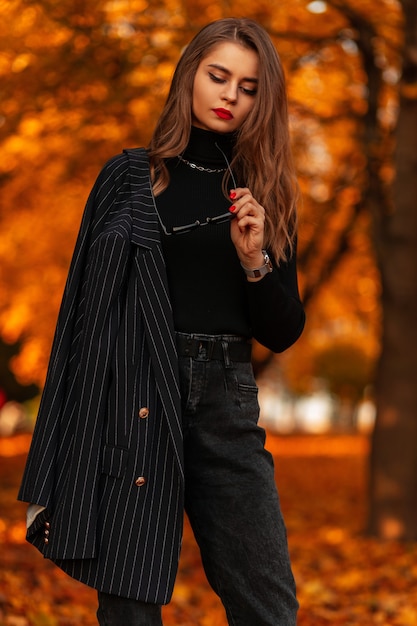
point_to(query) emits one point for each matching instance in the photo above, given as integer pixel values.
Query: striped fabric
(106, 454)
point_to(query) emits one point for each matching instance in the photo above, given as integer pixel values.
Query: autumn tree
(393, 494)
(390, 105)
(79, 81)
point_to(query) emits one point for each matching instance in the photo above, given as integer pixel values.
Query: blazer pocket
(114, 461)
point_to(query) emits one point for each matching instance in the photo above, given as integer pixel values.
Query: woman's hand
(247, 229)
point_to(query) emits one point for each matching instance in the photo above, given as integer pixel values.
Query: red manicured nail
(232, 209)
(232, 195)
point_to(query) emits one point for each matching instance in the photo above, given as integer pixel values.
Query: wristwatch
(260, 271)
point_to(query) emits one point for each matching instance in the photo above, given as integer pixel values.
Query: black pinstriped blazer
(106, 455)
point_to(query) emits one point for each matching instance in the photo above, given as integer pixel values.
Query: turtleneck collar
(203, 150)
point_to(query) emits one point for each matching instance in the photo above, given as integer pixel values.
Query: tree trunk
(393, 465)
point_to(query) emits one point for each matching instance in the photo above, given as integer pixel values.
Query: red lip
(224, 114)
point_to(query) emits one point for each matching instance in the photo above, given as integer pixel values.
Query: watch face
(268, 264)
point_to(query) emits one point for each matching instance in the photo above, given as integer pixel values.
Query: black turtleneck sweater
(208, 288)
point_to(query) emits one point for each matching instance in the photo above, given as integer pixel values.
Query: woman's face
(225, 87)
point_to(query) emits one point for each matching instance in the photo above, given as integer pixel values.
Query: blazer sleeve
(39, 475)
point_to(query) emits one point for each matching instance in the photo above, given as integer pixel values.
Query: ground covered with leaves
(343, 577)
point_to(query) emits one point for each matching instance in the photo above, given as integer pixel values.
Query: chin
(219, 127)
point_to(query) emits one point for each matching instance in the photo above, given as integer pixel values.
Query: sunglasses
(209, 221)
(187, 228)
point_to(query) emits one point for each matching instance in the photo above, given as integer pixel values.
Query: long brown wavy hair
(262, 155)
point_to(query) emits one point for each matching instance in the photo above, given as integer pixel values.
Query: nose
(230, 93)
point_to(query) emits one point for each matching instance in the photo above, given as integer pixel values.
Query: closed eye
(219, 80)
(216, 79)
(249, 92)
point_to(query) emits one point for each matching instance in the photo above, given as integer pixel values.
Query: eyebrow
(229, 73)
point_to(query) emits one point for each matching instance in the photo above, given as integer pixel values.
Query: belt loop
(225, 347)
(210, 349)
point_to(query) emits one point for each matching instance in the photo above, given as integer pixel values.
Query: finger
(247, 221)
(247, 205)
(239, 191)
(255, 212)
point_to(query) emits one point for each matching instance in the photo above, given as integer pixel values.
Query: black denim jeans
(230, 498)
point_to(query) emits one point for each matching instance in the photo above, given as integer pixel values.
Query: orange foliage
(344, 578)
(81, 81)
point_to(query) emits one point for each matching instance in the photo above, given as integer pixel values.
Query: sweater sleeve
(276, 311)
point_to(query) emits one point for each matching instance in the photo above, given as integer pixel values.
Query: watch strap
(258, 272)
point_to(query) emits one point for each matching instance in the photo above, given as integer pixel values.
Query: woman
(186, 252)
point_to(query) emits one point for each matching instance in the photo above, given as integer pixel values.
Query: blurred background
(82, 79)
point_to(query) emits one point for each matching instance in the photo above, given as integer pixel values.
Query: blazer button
(139, 482)
(143, 412)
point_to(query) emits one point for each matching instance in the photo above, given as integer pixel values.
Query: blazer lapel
(154, 296)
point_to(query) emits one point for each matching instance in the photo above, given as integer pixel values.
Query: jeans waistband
(217, 347)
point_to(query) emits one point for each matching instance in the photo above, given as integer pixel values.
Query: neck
(207, 148)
